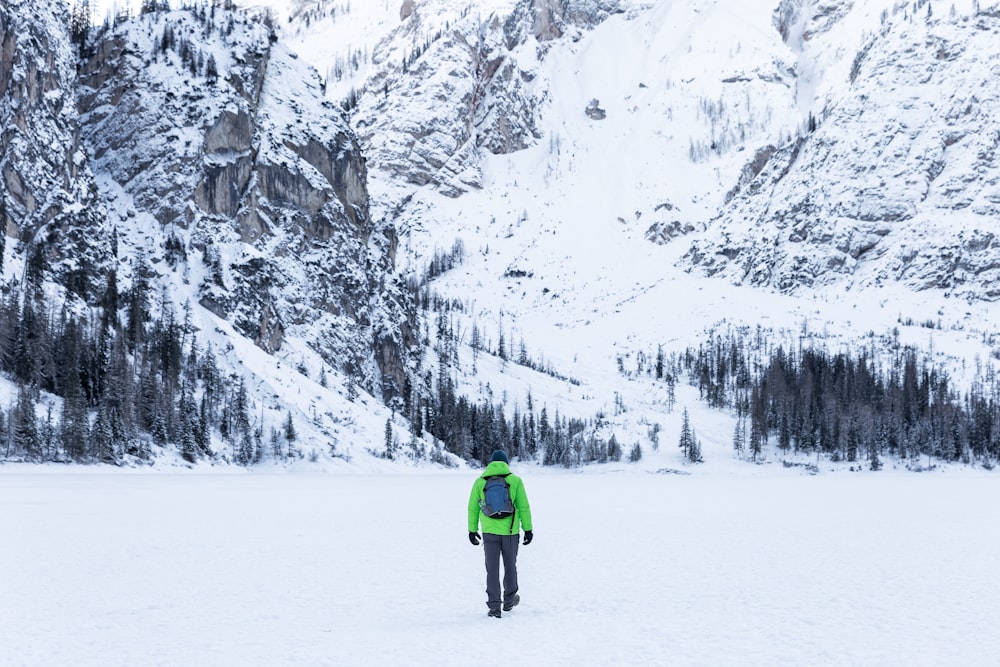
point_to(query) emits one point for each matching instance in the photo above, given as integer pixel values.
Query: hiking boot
(494, 613)
(512, 602)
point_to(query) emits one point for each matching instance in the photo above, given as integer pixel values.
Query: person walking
(498, 502)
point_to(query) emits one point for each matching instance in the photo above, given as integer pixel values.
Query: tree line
(848, 405)
(470, 429)
(112, 382)
(473, 430)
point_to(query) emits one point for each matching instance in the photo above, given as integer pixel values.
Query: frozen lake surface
(109, 568)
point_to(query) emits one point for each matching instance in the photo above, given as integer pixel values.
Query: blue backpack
(496, 502)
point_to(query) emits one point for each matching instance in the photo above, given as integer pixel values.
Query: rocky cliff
(898, 179)
(481, 70)
(214, 129)
(48, 196)
(193, 143)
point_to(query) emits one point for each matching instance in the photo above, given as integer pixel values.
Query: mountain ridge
(520, 196)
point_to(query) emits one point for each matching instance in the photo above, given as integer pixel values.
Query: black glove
(474, 538)
(528, 536)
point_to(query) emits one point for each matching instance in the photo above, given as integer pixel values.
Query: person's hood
(496, 468)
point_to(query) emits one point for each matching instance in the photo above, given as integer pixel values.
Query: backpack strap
(514, 513)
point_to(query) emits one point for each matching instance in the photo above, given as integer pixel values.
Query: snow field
(771, 568)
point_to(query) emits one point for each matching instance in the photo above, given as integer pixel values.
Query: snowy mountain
(186, 161)
(49, 191)
(206, 132)
(593, 173)
(514, 204)
(898, 182)
(811, 142)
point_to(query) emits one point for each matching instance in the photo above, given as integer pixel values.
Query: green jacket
(508, 525)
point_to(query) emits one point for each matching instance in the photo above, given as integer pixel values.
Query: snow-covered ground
(768, 567)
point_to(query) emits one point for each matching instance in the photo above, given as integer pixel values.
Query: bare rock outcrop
(47, 190)
(245, 162)
(898, 182)
(480, 75)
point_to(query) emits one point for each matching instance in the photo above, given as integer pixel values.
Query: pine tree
(158, 429)
(188, 423)
(109, 303)
(47, 432)
(245, 450)
(80, 22)
(137, 306)
(686, 440)
(544, 429)
(26, 344)
(874, 460)
(116, 402)
(635, 455)
(853, 437)
(258, 445)
(146, 401)
(516, 436)
(9, 330)
(74, 427)
(389, 449)
(290, 434)
(694, 451)
(73, 431)
(530, 437)
(166, 40)
(203, 434)
(784, 433)
(277, 451)
(212, 385)
(6, 437)
(24, 426)
(100, 437)
(614, 449)
(739, 437)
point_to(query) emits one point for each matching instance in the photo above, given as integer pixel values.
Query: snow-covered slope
(226, 184)
(768, 125)
(47, 195)
(209, 136)
(656, 148)
(900, 181)
(617, 175)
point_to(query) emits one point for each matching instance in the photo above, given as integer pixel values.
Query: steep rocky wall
(479, 77)
(899, 182)
(257, 175)
(46, 187)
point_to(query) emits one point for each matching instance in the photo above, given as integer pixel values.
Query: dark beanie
(499, 455)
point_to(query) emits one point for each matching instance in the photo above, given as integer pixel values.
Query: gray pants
(496, 546)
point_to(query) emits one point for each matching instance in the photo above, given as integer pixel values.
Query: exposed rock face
(482, 75)
(438, 148)
(797, 20)
(406, 10)
(901, 181)
(47, 191)
(594, 110)
(662, 233)
(546, 20)
(249, 165)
